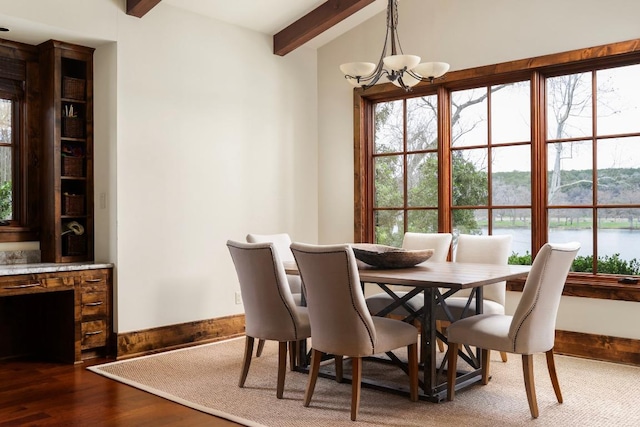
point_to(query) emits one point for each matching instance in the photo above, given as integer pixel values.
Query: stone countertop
(16, 269)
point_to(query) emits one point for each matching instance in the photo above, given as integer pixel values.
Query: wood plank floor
(51, 394)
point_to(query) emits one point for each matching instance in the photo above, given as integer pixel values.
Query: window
(20, 132)
(7, 156)
(542, 152)
(593, 166)
(405, 159)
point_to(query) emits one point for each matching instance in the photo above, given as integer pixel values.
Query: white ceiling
(271, 16)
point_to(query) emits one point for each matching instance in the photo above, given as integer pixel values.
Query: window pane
(470, 179)
(389, 227)
(469, 117)
(470, 221)
(618, 234)
(570, 178)
(388, 181)
(511, 175)
(422, 179)
(422, 123)
(572, 225)
(618, 100)
(6, 162)
(389, 127)
(569, 103)
(619, 171)
(511, 113)
(517, 223)
(422, 221)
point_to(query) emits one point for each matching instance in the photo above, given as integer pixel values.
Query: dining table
(436, 281)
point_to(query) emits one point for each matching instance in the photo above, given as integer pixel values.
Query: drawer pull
(93, 280)
(93, 304)
(26, 285)
(93, 333)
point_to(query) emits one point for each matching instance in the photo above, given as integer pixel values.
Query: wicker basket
(73, 204)
(72, 127)
(72, 166)
(75, 245)
(73, 88)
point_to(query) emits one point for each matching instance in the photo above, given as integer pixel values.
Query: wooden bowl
(383, 256)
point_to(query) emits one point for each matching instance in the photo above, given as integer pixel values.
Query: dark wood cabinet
(57, 315)
(67, 154)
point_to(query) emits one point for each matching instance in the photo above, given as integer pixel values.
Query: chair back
(340, 321)
(281, 241)
(488, 250)
(534, 321)
(270, 311)
(439, 242)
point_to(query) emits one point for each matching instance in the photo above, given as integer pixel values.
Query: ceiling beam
(139, 8)
(314, 23)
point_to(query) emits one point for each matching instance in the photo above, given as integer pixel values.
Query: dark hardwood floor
(34, 393)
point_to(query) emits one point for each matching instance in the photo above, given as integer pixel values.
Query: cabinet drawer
(21, 285)
(94, 334)
(94, 304)
(94, 282)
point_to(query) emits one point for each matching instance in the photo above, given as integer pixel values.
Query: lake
(624, 242)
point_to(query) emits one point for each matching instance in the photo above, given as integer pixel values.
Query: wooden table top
(455, 275)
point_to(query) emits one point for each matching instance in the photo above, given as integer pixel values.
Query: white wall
(216, 139)
(466, 34)
(201, 135)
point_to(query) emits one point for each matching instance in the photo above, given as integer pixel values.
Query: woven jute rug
(205, 378)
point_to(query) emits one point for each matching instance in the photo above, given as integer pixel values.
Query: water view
(624, 242)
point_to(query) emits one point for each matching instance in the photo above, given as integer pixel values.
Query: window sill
(18, 234)
(589, 286)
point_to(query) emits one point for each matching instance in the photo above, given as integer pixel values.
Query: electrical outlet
(238, 298)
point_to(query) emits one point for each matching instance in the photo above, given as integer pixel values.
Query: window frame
(19, 63)
(533, 69)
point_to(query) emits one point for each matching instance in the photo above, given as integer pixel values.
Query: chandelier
(402, 70)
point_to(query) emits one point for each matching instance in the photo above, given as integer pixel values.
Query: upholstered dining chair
(270, 312)
(340, 321)
(281, 242)
(530, 330)
(440, 243)
(494, 249)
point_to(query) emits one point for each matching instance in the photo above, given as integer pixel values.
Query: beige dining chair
(281, 242)
(270, 312)
(494, 249)
(530, 330)
(440, 243)
(340, 321)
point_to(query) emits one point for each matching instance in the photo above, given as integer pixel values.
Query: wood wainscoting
(598, 347)
(148, 341)
(139, 343)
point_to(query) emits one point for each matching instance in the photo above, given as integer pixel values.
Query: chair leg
(440, 327)
(503, 356)
(486, 356)
(452, 365)
(339, 369)
(529, 384)
(282, 367)
(551, 366)
(248, 351)
(316, 358)
(260, 348)
(412, 351)
(356, 379)
(293, 355)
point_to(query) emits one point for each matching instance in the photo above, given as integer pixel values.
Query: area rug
(205, 378)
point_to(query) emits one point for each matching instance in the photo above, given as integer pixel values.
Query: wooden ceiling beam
(314, 23)
(139, 8)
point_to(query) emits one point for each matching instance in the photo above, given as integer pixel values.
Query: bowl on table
(383, 256)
